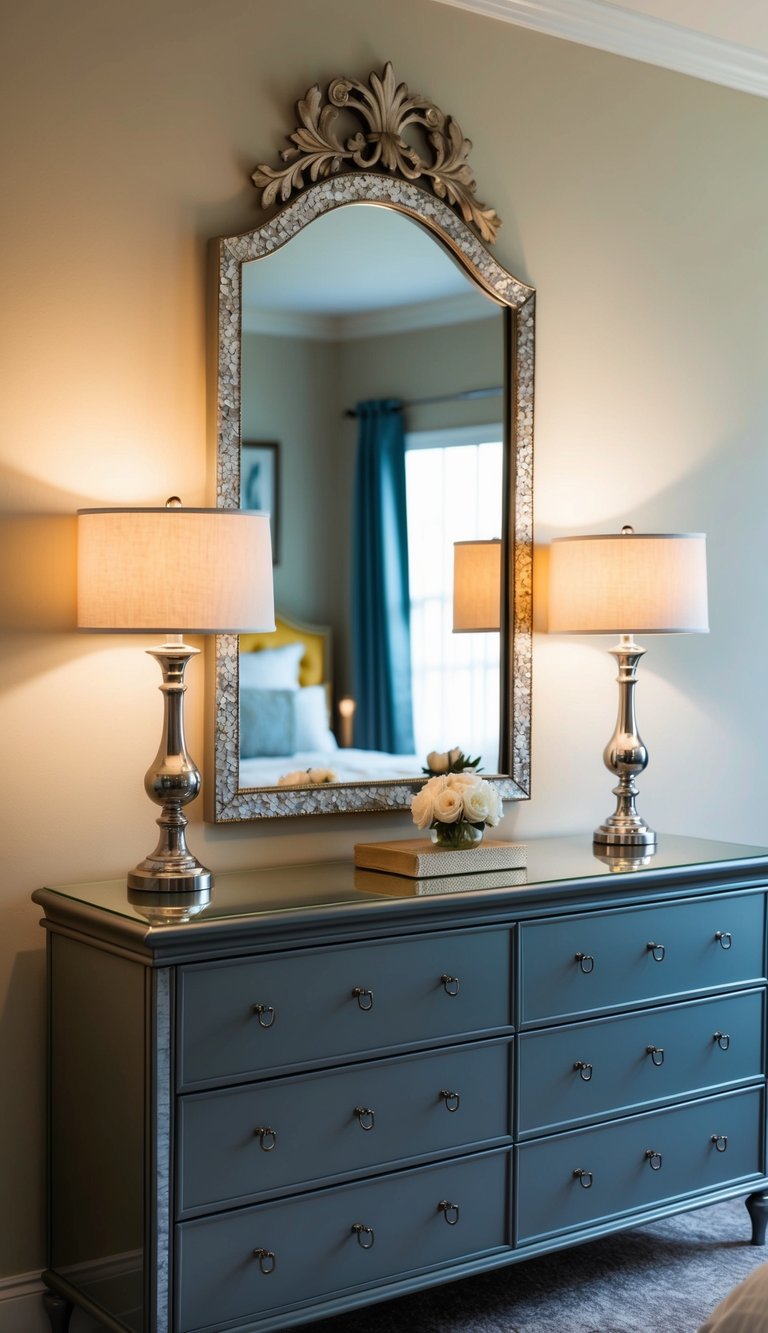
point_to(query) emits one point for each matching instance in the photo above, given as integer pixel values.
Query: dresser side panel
(97, 1126)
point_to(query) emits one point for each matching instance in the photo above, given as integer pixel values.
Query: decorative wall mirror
(363, 317)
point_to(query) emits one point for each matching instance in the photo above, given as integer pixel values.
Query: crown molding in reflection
(369, 323)
(624, 33)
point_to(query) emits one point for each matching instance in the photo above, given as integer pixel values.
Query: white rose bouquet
(307, 777)
(456, 807)
(450, 761)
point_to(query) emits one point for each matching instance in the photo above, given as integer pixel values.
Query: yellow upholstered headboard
(315, 665)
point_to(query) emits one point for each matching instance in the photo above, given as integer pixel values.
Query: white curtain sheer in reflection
(454, 489)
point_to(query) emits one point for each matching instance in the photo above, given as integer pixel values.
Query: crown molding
(638, 36)
(444, 310)
(458, 309)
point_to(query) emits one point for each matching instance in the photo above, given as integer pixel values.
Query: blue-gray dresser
(333, 1086)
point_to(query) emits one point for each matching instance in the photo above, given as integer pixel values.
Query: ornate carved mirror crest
(442, 318)
(386, 108)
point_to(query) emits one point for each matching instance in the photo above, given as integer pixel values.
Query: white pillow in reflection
(272, 668)
(311, 721)
(284, 722)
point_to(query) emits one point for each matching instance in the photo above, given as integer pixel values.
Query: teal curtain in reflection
(380, 593)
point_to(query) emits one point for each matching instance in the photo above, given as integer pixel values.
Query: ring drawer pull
(723, 1040)
(584, 1178)
(724, 938)
(267, 1138)
(365, 1116)
(363, 996)
(654, 1159)
(451, 1099)
(265, 1014)
(450, 984)
(585, 961)
(657, 1055)
(450, 1212)
(720, 1141)
(657, 950)
(267, 1261)
(365, 1236)
(584, 1069)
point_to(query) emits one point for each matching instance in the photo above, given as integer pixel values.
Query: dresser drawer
(409, 1221)
(582, 964)
(251, 1140)
(242, 1018)
(591, 1175)
(588, 1071)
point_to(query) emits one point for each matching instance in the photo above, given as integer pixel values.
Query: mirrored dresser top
(556, 868)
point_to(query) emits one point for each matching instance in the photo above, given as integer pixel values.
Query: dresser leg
(59, 1311)
(757, 1207)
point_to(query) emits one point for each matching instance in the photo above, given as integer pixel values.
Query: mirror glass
(357, 325)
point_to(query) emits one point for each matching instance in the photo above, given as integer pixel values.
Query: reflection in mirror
(360, 338)
(354, 330)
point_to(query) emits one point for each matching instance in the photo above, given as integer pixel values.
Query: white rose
(454, 755)
(436, 762)
(448, 805)
(297, 779)
(495, 806)
(463, 780)
(481, 804)
(421, 807)
(320, 775)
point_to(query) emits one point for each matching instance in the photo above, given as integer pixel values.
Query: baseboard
(22, 1311)
(21, 1306)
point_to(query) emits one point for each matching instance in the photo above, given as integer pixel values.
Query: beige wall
(633, 199)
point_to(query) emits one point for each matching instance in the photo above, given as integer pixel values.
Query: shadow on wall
(38, 593)
(38, 554)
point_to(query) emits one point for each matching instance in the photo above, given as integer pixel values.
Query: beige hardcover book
(403, 886)
(420, 859)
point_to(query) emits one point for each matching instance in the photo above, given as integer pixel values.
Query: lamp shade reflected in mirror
(476, 587)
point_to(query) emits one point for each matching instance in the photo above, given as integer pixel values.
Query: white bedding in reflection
(348, 766)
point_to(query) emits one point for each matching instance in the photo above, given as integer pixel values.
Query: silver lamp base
(626, 757)
(151, 877)
(620, 860)
(169, 909)
(172, 781)
(627, 833)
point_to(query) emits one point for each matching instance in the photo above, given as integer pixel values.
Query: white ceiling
(723, 41)
(744, 22)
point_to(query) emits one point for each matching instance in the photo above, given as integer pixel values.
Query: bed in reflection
(286, 696)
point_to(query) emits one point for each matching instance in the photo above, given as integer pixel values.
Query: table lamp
(628, 583)
(172, 571)
(476, 586)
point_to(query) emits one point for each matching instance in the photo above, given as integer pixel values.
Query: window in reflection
(454, 488)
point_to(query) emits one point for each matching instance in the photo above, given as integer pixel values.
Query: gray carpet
(665, 1277)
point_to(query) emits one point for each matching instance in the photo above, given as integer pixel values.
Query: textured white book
(420, 859)
(404, 886)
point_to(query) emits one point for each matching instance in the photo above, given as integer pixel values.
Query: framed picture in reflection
(260, 484)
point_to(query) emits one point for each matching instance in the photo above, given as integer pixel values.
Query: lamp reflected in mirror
(477, 587)
(346, 722)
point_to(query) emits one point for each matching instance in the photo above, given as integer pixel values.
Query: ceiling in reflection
(325, 283)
